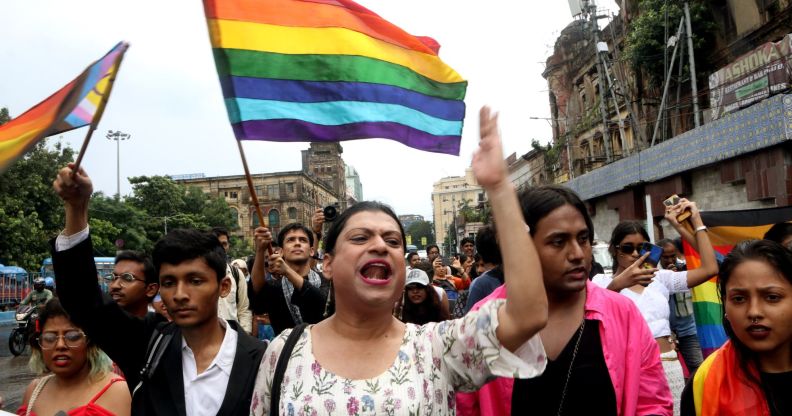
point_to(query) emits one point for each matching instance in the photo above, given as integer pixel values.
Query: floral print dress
(433, 362)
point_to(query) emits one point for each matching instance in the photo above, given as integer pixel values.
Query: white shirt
(653, 301)
(204, 393)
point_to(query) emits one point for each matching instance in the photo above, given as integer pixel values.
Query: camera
(331, 212)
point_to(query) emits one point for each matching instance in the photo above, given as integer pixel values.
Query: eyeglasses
(72, 339)
(628, 248)
(126, 278)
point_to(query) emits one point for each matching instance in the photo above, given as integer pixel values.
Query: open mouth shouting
(376, 272)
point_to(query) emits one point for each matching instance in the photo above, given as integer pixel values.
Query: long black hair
(339, 223)
(429, 310)
(766, 251)
(622, 230)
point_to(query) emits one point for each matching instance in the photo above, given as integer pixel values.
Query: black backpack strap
(280, 368)
(157, 345)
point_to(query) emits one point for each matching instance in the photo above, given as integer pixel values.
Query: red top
(90, 409)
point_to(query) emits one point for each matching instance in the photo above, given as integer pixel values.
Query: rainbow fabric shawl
(331, 70)
(726, 229)
(71, 107)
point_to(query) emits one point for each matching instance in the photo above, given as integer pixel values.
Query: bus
(104, 266)
(14, 285)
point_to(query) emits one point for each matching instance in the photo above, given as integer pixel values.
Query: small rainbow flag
(331, 70)
(70, 107)
(726, 229)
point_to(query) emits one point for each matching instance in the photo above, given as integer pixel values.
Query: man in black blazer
(208, 365)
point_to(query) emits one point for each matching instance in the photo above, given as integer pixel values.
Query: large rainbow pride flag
(726, 229)
(71, 107)
(331, 70)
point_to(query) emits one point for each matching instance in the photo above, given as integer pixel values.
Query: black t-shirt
(776, 385)
(310, 299)
(590, 389)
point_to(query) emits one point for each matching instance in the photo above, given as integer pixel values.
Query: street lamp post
(118, 136)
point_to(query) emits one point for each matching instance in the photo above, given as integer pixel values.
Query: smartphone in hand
(654, 254)
(673, 200)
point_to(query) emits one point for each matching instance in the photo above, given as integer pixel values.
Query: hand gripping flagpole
(100, 108)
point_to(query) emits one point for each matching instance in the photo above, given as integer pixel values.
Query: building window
(274, 219)
(272, 191)
(233, 195)
(292, 211)
(254, 220)
(290, 187)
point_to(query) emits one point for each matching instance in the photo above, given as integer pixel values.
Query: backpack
(157, 345)
(450, 290)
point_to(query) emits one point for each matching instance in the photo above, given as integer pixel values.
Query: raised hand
(488, 165)
(262, 237)
(74, 189)
(317, 220)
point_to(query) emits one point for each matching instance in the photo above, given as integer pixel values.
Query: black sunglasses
(629, 248)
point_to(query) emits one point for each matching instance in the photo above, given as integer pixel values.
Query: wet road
(14, 373)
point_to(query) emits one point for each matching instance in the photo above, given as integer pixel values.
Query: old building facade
(735, 159)
(284, 198)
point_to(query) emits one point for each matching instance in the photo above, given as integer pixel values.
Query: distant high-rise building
(354, 188)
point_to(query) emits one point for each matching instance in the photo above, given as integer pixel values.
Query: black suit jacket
(125, 339)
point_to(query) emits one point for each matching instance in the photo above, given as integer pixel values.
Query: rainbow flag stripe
(71, 107)
(726, 229)
(331, 70)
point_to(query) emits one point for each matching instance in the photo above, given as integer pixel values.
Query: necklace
(571, 364)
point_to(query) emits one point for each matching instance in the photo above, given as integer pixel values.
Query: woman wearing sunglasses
(77, 377)
(650, 288)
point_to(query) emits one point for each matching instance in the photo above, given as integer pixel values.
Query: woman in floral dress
(364, 361)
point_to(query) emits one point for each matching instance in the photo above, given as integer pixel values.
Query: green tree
(30, 212)
(129, 220)
(169, 204)
(420, 229)
(645, 43)
(103, 237)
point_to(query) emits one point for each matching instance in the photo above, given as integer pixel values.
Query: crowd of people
(516, 323)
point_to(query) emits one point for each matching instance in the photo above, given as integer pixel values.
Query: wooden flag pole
(100, 109)
(252, 190)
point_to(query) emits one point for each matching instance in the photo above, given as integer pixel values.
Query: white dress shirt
(204, 393)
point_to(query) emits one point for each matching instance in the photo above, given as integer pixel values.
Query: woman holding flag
(751, 373)
(363, 360)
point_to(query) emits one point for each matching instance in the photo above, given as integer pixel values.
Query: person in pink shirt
(602, 358)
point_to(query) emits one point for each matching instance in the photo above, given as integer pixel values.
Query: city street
(15, 374)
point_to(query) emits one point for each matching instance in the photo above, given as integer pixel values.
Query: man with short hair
(284, 284)
(467, 246)
(492, 278)
(133, 283)
(236, 305)
(204, 365)
(413, 259)
(432, 252)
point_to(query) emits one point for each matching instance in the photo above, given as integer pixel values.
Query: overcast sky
(167, 95)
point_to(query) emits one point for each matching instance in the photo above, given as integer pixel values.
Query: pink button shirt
(631, 355)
